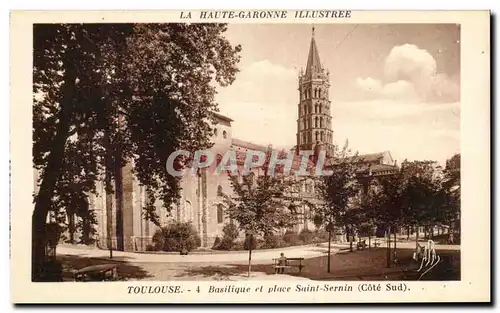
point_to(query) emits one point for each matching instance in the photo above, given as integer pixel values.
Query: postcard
(250, 156)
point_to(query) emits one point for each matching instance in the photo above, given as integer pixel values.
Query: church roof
(378, 169)
(222, 117)
(295, 166)
(313, 61)
(241, 155)
(248, 145)
(371, 157)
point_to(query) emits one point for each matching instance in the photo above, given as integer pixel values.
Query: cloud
(262, 81)
(410, 73)
(412, 130)
(263, 104)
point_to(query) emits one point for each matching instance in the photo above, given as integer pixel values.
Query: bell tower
(314, 125)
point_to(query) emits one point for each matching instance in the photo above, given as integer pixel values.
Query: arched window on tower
(321, 136)
(316, 134)
(321, 122)
(320, 109)
(319, 93)
(220, 214)
(219, 191)
(316, 122)
(224, 134)
(215, 132)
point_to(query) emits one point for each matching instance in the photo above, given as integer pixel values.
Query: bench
(101, 272)
(289, 263)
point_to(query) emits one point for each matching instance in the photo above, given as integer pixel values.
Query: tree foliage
(107, 94)
(338, 190)
(259, 206)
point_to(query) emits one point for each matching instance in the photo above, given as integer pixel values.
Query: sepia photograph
(250, 156)
(231, 152)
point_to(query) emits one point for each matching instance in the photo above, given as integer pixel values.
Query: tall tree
(388, 206)
(451, 186)
(337, 191)
(114, 93)
(260, 206)
(422, 194)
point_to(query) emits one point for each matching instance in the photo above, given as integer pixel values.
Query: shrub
(176, 236)
(306, 236)
(271, 241)
(216, 244)
(230, 231)
(237, 246)
(229, 235)
(158, 240)
(291, 238)
(226, 244)
(320, 236)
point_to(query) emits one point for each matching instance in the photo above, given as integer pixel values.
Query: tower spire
(313, 61)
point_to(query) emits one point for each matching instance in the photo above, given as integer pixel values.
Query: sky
(393, 87)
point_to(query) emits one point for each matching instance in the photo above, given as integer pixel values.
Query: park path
(263, 256)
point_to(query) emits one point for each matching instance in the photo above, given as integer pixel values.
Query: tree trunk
(329, 249)
(44, 200)
(369, 242)
(86, 230)
(388, 249)
(250, 239)
(71, 227)
(408, 233)
(109, 193)
(52, 171)
(350, 237)
(416, 238)
(395, 248)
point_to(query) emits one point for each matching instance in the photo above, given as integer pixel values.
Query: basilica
(119, 218)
